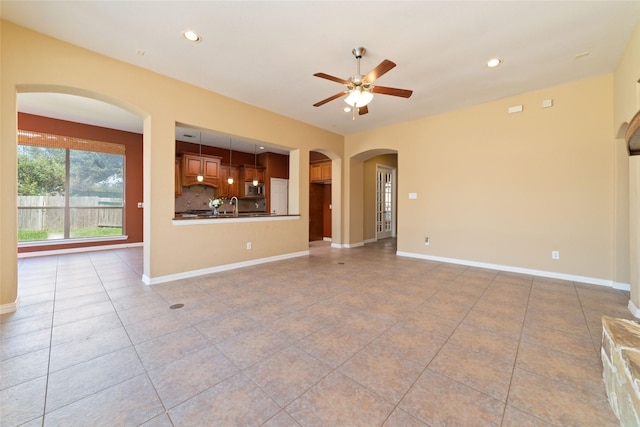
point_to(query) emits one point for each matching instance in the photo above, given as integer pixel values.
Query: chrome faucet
(235, 207)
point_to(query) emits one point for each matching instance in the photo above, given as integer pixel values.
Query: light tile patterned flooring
(343, 337)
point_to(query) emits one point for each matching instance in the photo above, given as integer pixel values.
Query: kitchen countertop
(203, 218)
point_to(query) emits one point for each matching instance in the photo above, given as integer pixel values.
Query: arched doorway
(320, 197)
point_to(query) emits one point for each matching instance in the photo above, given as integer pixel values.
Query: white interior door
(385, 202)
(279, 196)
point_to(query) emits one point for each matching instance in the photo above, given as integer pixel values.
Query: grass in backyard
(33, 235)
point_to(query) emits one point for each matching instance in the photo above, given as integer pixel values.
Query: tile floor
(343, 337)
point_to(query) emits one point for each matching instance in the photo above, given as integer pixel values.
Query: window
(69, 188)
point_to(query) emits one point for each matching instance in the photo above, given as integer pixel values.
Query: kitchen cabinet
(225, 189)
(320, 171)
(178, 178)
(247, 173)
(194, 164)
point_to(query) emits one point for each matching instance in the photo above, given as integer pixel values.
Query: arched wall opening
(362, 192)
(62, 110)
(326, 185)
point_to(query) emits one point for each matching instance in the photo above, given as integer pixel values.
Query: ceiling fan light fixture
(359, 97)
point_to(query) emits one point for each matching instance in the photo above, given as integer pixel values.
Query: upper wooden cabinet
(195, 164)
(225, 189)
(178, 177)
(320, 171)
(247, 173)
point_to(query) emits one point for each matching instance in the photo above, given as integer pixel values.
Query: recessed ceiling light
(347, 109)
(494, 62)
(192, 36)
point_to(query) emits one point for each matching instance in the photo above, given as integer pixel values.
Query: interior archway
(90, 116)
(325, 170)
(362, 188)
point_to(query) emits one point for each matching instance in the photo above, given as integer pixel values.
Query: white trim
(394, 197)
(375, 239)
(10, 308)
(209, 270)
(541, 273)
(81, 249)
(337, 245)
(55, 242)
(348, 245)
(326, 239)
(621, 286)
(634, 310)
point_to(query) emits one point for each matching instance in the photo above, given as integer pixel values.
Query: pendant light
(230, 178)
(255, 165)
(200, 177)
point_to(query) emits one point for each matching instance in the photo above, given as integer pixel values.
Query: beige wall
(507, 189)
(627, 175)
(369, 191)
(33, 62)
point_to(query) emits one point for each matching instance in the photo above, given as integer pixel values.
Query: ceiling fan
(360, 88)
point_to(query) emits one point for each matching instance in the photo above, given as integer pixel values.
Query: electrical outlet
(426, 241)
(248, 245)
(555, 254)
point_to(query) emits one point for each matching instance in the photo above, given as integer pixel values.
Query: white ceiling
(266, 52)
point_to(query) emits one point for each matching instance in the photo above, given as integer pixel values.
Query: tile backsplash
(195, 197)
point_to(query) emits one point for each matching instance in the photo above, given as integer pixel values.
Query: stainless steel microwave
(251, 190)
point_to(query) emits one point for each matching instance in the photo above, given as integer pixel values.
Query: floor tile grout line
(397, 406)
(133, 347)
(515, 359)
(584, 315)
(53, 313)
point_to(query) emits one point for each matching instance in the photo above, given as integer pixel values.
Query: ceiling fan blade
(381, 69)
(332, 78)
(404, 93)
(331, 98)
(363, 110)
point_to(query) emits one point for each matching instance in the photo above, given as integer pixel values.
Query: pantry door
(385, 202)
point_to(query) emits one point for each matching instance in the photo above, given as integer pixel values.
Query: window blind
(41, 139)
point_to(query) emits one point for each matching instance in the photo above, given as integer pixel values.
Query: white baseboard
(76, 250)
(346, 245)
(327, 239)
(201, 272)
(634, 310)
(621, 286)
(541, 273)
(10, 308)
